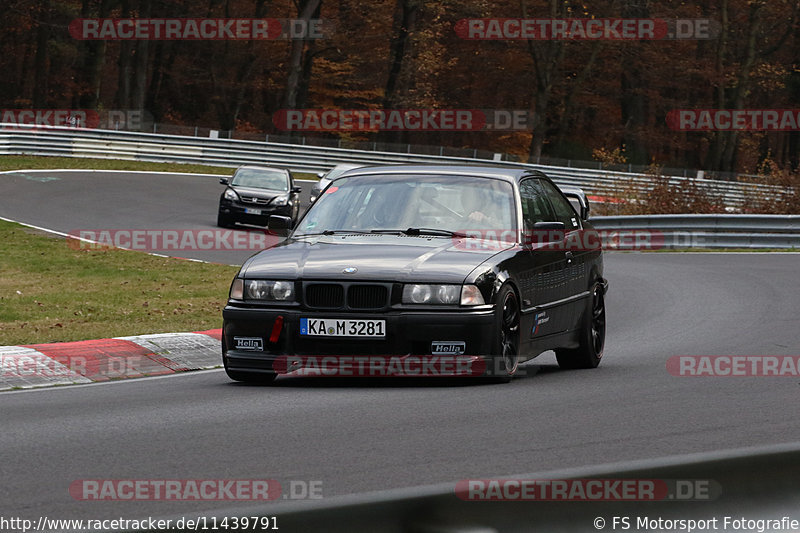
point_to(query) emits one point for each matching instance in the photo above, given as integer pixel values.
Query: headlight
(281, 200)
(230, 194)
(471, 295)
(431, 294)
(259, 289)
(237, 289)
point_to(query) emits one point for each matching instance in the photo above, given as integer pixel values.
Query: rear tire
(592, 336)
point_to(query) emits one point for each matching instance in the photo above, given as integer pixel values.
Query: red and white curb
(68, 363)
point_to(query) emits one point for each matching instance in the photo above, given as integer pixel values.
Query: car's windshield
(261, 179)
(382, 202)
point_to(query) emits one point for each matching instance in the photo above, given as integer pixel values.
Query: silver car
(326, 177)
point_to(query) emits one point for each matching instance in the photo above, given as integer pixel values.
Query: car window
(261, 179)
(535, 207)
(561, 206)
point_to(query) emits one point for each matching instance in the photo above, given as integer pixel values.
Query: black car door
(576, 252)
(543, 283)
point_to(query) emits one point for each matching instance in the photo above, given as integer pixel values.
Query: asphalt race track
(356, 436)
(71, 201)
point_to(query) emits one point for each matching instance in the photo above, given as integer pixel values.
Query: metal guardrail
(704, 231)
(16, 139)
(749, 484)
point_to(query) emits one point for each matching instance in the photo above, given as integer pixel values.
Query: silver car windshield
(380, 202)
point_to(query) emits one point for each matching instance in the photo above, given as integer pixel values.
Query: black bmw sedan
(421, 270)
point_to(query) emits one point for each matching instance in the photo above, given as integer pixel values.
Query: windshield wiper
(335, 232)
(422, 231)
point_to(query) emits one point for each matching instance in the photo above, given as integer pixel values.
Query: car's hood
(376, 257)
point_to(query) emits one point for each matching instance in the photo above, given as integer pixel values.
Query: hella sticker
(255, 344)
(448, 347)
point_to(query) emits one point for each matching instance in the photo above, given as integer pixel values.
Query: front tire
(506, 355)
(592, 336)
(224, 221)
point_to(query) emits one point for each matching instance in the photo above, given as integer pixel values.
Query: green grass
(27, 162)
(50, 292)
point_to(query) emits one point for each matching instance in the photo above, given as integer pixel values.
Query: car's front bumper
(237, 211)
(419, 334)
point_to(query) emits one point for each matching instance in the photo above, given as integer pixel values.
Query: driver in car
(482, 209)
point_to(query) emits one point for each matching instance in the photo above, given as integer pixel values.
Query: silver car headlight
(281, 200)
(230, 194)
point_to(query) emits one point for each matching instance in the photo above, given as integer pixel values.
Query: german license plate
(338, 327)
(250, 211)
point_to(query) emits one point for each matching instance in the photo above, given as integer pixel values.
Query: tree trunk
(141, 63)
(547, 57)
(632, 99)
(306, 10)
(728, 161)
(40, 69)
(405, 22)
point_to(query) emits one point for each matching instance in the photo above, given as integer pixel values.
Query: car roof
(482, 171)
(257, 167)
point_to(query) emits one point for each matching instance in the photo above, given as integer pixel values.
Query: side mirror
(223, 181)
(297, 189)
(547, 232)
(279, 224)
(580, 202)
